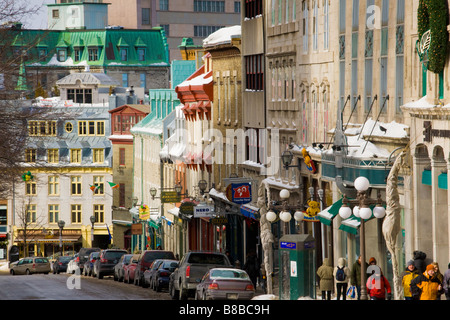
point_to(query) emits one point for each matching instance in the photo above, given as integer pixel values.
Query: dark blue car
(161, 277)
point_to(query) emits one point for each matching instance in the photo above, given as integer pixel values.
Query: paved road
(71, 287)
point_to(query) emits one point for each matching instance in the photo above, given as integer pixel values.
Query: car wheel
(12, 272)
(156, 287)
(27, 272)
(99, 275)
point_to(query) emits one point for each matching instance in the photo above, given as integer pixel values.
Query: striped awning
(326, 216)
(249, 211)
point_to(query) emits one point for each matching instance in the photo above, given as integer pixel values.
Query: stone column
(439, 214)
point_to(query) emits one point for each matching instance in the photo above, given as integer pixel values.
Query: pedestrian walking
(446, 282)
(407, 276)
(377, 286)
(427, 285)
(341, 275)
(355, 275)
(325, 273)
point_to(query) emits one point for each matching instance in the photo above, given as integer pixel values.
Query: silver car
(30, 265)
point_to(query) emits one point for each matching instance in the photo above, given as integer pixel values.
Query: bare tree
(29, 222)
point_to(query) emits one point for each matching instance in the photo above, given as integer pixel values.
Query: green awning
(442, 181)
(426, 177)
(326, 216)
(350, 225)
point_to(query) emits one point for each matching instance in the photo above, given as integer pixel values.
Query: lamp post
(362, 210)
(61, 225)
(285, 214)
(92, 218)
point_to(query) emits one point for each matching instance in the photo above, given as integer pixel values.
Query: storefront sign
(136, 229)
(240, 193)
(187, 208)
(170, 197)
(203, 211)
(219, 220)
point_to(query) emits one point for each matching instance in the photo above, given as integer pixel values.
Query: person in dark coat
(252, 267)
(419, 261)
(355, 275)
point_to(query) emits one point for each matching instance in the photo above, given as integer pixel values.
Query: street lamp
(285, 213)
(61, 225)
(92, 218)
(202, 185)
(361, 208)
(287, 157)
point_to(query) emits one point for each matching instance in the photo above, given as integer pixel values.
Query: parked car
(119, 267)
(129, 269)
(83, 255)
(225, 284)
(72, 266)
(89, 264)
(193, 266)
(30, 265)
(160, 278)
(60, 264)
(146, 259)
(105, 264)
(148, 274)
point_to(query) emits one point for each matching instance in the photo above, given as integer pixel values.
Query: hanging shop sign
(144, 212)
(136, 229)
(170, 197)
(310, 165)
(203, 211)
(240, 193)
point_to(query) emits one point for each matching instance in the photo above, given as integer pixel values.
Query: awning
(350, 225)
(326, 216)
(249, 211)
(426, 177)
(442, 181)
(122, 223)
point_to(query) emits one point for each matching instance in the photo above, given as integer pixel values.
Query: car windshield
(169, 265)
(65, 258)
(114, 254)
(157, 255)
(229, 274)
(127, 258)
(207, 258)
(95, 254)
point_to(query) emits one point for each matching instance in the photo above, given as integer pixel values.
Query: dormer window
(123, 54)
(62, 54)
(141, 54)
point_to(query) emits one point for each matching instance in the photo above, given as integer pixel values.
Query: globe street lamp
(285, 213)
(362, 210)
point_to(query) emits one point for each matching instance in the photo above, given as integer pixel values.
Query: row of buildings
(342, 86)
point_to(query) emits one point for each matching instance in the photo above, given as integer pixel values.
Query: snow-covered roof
(88, 78)
(222, 36)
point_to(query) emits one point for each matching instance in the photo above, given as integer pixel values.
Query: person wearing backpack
(341, 274)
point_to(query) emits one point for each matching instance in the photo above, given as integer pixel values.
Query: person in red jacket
(377, 285)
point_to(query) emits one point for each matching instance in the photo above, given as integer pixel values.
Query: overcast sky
(38, 21)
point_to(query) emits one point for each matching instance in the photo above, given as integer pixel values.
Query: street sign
(219, 220)
(170, 197)
(288, 245)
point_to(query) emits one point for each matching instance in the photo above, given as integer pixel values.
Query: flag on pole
(94, 187)
(109, 233)
(113, 185)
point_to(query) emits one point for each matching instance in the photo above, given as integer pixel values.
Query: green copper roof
(152, 44)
